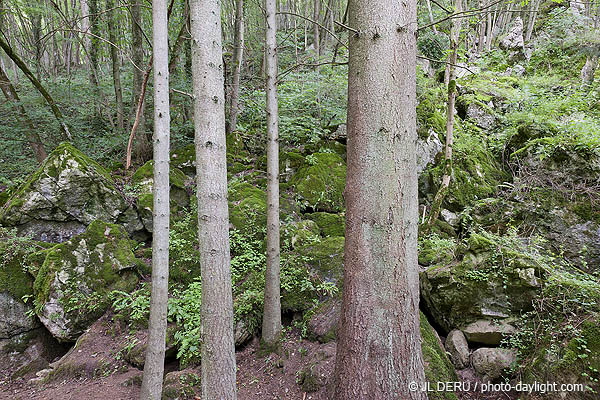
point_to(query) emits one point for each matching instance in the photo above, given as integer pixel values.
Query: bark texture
(379, 347)
(157, 329)
(218, 352)
(271, 327)
(116, 64)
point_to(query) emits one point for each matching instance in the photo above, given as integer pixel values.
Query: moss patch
(329, 224)
(320, 182)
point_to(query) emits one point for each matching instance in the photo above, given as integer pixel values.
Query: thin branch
(287, 71)
(346, 27)
(441, 6)
(191, 96)
(314, 22)
(462, 14)
(446, 62)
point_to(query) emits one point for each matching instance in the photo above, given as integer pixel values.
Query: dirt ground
(99, 368)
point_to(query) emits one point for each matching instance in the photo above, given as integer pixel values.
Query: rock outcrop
(64, 196)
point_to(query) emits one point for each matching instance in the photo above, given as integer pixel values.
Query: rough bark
(32, 136)
(116, 64)
(94, 45)
(217, 348)
(238, 51)
(379, 347)
(157, 328)
(37, 84)
(271, 327)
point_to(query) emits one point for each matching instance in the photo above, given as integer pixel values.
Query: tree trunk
(218, 351)
(431, 20)
(32, 136)
(85, 25)
(451, 72)
(94, 47)
(157, 327)
(379, 346)
(535, 4)
(142, 145)
(36, 83)
(316, 27)
(271, 327)
(238, 51)
(116, 65)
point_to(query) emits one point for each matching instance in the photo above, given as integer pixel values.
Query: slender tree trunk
(431, 20)
(36, 83)
(85, 25)
(32, 136)
(116, 65)
(238, 51)
(451, 71)
(177, 47)
(535, 4)
(379, 346)
(94, 46)
(271, 327)
(218, 350)
(157, 328)
(316, 27)
(142, 145)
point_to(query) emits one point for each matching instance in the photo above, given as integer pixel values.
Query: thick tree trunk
(218, 350)
(271, 327)
(32, 136)
(379, 346)
(238, 51)
(37, 84)
(157, 327)
(116, 65)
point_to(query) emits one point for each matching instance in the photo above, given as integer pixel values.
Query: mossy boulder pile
(72, 285)
(64, 196)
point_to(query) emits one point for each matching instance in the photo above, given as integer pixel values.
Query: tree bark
(238, 51)
(218, 351)
(94, 46)
(271, 327)
(116, 64)
(36, 83)
(157, 328)
(379, 346)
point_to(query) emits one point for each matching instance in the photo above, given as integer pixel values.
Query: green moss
(13, 279)
(184, 158)
(89, 265)
(326, 257)
(297, 234)
(144, 176)
(438, 368)
(329, 224)
(320, 183)
(247, 208)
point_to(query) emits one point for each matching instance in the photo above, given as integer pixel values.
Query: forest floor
(300, 370)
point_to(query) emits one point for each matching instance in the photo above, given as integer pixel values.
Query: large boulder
(491, 278)
(513, 40)
(142, 183)
(491, 363)
(73, 284)
(427, 150)
(64, 196)
(320, 182)
(458, 349)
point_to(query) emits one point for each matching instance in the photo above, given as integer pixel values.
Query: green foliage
(433, 46)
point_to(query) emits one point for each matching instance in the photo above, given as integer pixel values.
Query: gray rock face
(427, 150)
(65, 195)
(514, 38)
(487, 332)
(14, 318)
(456, 345)
(480, 116)
(491, 362)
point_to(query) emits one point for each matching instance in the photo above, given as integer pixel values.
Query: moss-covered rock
(247, 208)
(299, 233)
(72, 286)
(328, 223)
(320, 182)
(64, 196)
(476, 174)
(143, 180)
(493, 278)
(326, 258)
(184, 159)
